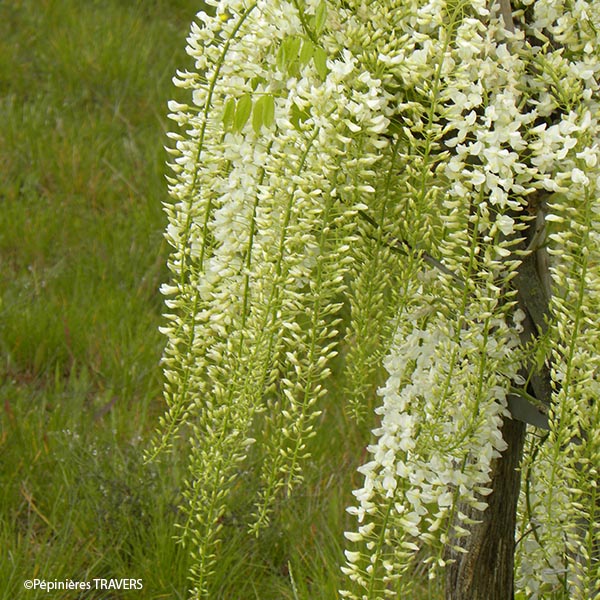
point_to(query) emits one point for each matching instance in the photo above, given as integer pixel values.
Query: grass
(83, 92)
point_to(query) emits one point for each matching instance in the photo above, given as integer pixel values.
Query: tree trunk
(486, 572)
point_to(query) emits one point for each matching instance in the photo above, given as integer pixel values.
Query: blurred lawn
(83, 92)
(83, 88)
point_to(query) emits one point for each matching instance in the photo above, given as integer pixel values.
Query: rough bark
(487, 571)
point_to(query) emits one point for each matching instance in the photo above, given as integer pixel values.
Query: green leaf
(289, 54)
(298, 116)
(320, 60)
(269, 110)
(320, 17)
(263, 112)
(255, 81)
(307, 51)
(228, 114)
(258, 114)
(293, 50)
(281, 58)
(242, 111)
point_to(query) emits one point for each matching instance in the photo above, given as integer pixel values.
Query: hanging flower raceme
(274, 159)
(394, 155)
(509, 143)
(441, 417)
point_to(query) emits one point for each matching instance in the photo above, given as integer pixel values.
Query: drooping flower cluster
(442, 412)
(505, 125)
(393, 153)
(273, 161)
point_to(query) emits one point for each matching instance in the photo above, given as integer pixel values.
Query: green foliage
(77, 502)
(81, 147)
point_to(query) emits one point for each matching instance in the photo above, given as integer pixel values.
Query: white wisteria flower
(406, 160)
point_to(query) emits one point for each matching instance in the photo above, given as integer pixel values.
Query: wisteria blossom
(405, 158)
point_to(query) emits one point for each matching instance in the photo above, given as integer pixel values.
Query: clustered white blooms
(443, 406)
(329, 149)
(560, 552)
(494, 119)
(273, 160)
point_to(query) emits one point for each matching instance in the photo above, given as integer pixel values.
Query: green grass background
(83, 92)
